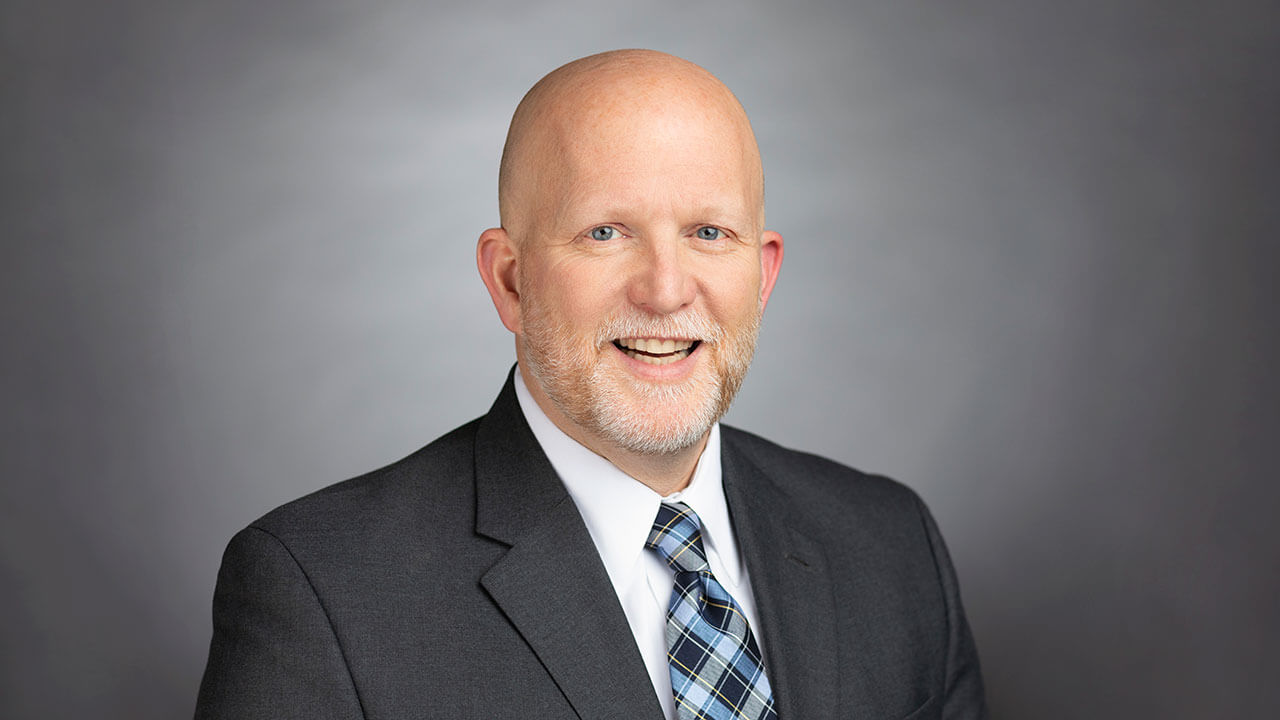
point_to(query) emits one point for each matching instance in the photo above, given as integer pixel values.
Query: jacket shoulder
(813, 479)
(427, 485)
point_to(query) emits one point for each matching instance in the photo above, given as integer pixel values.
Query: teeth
(658, 359)
(655, 351)
(655, 345)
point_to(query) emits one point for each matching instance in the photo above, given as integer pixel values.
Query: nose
(662, 282)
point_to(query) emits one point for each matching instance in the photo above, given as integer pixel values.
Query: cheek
(582, 291)
(732, 289)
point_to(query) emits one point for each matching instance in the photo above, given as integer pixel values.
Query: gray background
(1030, 263)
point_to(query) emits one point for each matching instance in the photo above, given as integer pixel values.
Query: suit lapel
(792, 589)
(551, 583)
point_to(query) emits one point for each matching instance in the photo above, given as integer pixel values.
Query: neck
(664, 473)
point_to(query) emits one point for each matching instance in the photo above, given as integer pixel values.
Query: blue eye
(706, 232)
(603, 233)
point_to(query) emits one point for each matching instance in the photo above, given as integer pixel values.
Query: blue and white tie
(716, 669)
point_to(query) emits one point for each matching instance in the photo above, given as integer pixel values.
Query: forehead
(611, 157)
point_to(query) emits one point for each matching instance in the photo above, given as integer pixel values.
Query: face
(643, 278)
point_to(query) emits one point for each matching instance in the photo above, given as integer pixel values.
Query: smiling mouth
(656, 351)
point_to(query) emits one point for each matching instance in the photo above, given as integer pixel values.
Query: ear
(496, 258)
(770, 264)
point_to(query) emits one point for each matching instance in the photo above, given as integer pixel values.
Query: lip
(675, 338)
(671, 372)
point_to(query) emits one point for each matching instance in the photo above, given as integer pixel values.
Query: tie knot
(677, 537)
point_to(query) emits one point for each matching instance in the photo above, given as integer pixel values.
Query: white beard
(638, 416)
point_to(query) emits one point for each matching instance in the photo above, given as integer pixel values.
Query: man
(597, 546)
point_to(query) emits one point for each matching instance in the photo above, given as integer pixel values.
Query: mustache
(686, 325)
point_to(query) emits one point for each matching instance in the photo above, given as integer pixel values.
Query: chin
(656, 419)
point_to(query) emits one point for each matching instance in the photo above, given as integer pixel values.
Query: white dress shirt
(619, 512)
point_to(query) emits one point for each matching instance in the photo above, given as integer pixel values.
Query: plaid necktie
(716, 669)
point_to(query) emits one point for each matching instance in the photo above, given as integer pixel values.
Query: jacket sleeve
(274, 653)
(963, 697)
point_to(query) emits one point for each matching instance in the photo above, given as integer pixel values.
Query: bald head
(616, 108)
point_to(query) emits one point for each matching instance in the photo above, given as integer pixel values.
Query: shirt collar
(619, 510)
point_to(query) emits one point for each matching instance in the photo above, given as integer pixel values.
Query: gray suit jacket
(460, 582)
